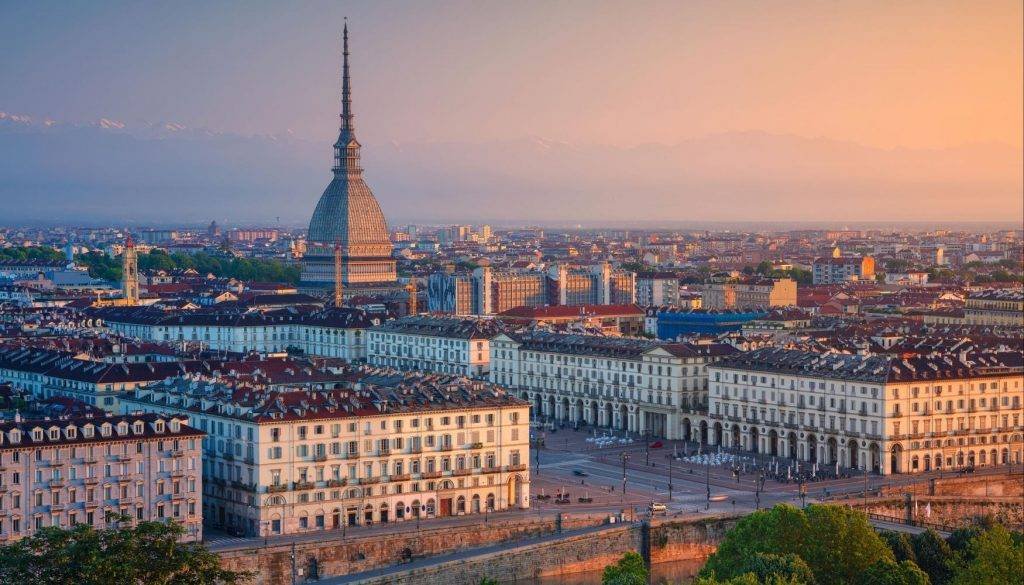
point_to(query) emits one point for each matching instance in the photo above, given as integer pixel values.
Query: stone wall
(949, 511)
(669, 540)
(980, 484)
(273, 564)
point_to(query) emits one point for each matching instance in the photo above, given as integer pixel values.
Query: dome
(349, 215)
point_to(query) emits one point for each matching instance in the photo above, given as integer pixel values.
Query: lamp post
(536, 458)
(707, 482)
(625, 457)
(669, 477)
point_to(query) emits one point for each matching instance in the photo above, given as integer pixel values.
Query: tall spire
(346, 85)
(346, 149)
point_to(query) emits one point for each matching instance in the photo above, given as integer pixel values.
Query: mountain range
(158, 172)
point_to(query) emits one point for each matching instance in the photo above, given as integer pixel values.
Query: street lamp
(669, 477)
(625, 457)
(707, 482)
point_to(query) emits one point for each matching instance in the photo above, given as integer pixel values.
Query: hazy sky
(919, 74)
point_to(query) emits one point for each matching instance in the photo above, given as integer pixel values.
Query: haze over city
(702, 111)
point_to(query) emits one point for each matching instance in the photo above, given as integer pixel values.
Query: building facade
(880, 413)
(995, 307)
(630, 384)
(755, 293)
(433, 344)
(87, 470)
(302, 461)
(838, 270)
(330, 332)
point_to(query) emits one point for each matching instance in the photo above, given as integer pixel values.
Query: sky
(917, 75)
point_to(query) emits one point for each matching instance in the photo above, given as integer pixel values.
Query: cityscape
(736, 378)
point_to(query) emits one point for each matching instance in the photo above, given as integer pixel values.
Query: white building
(887, 414)
(332, 332)
(449, 345)
(389, 448)
(631, 384)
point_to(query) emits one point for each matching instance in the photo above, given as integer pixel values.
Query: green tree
(630, 570)
(885, 572)
(147, 553)
(835, 542)
(934, 556)
(899, 544)
(995, 558)
(788, 568)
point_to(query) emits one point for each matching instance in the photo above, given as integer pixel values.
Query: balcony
(241, 485)
(302, 485)
(461, 472)
(351, 455)
(446, 447)
(54, 508)
(369, 480)
(477, 445)
(56, 483)
(516, 467)
(896, 414)
(415, 450)
(92, 480)
(180, 453)
(320, 457)
(492, 469)
(431, 474)
(400, 477)
(275, 489)
(335, 483)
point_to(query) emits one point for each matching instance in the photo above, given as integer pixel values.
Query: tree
(933, 556)
(630, 570)
(148, 553)
(835, 542)
(886, 572)
(899, 544)
(787, 568)
(994, 558)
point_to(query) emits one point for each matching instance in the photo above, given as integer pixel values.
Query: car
(657, 508)
(657, 445)
(580, 473)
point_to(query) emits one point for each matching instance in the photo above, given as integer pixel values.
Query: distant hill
(164, 171)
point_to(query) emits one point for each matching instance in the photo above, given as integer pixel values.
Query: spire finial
(346, 88)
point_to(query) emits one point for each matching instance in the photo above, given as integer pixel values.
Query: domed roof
(348, 214)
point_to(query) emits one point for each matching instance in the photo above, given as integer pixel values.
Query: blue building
(673, 323)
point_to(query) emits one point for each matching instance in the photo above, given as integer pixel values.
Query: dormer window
(175, 426)
(159, 426)
(54, 434)
(122, 428)
(138, 427)
(71, 432)
(87, 431)
(15, 436)
(105, 429)
(37, 434)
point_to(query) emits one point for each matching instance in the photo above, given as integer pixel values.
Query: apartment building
(434, 344)
(630, 384)
(995, 307)
(657, 288)
(750, 293)
(388, 448)
(486, 290)
(330, 332)
(842, 269)
(48, 373)
(882, 413)
(85, 470)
